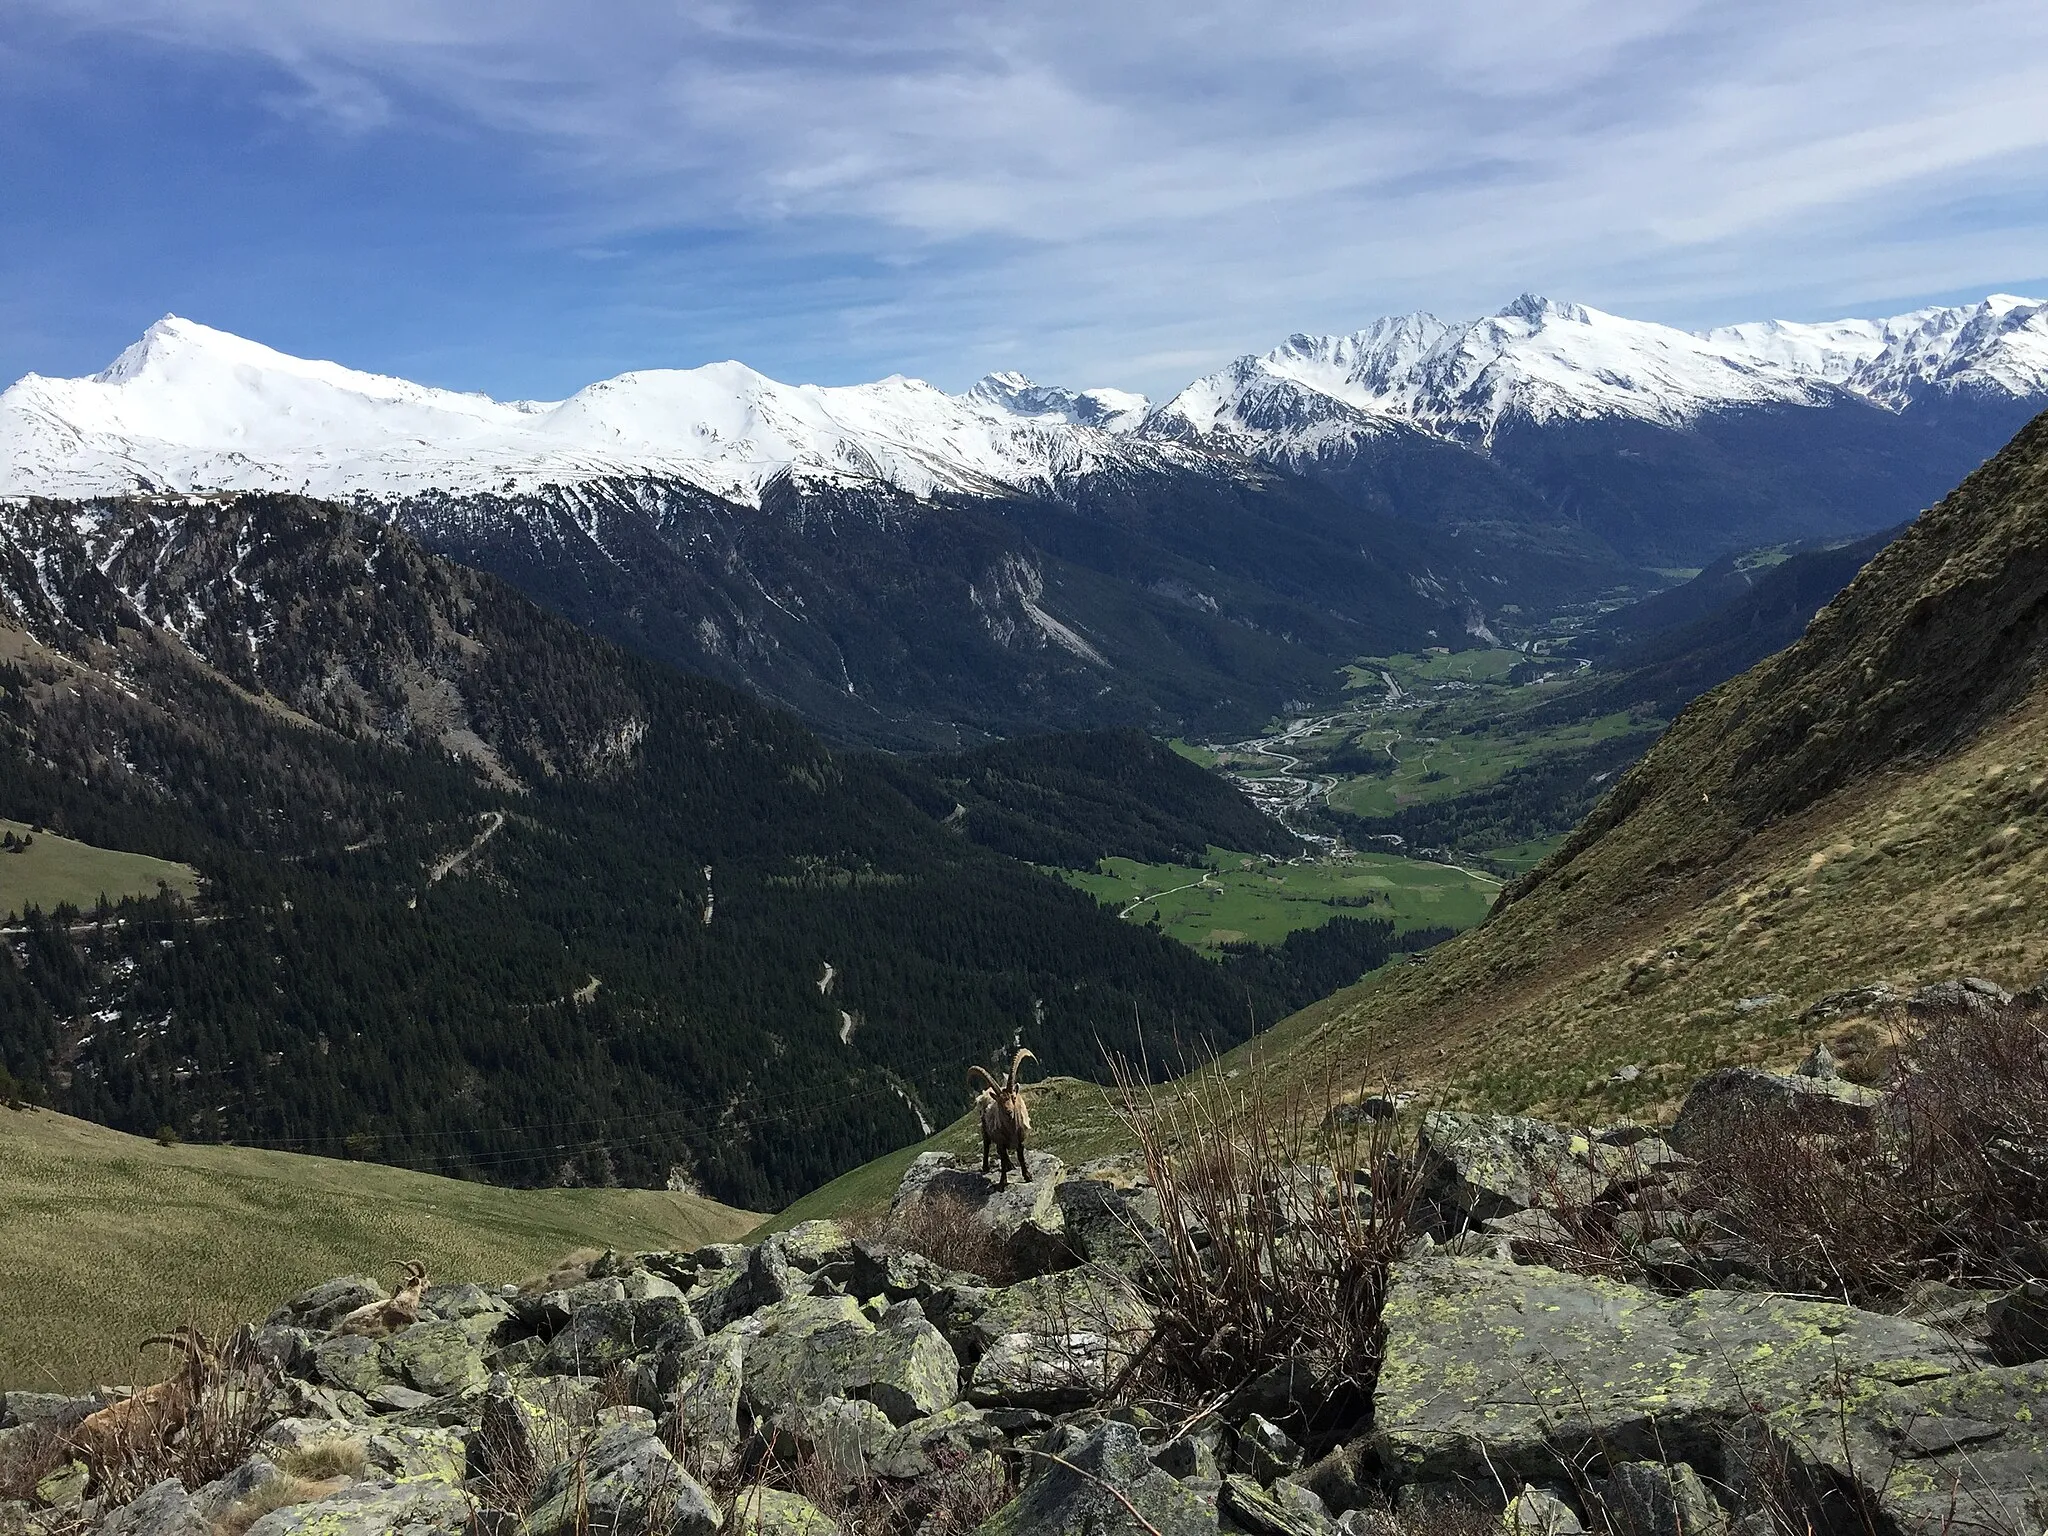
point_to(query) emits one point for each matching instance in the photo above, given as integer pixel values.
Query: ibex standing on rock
(375, 1318)
(1005, 1120)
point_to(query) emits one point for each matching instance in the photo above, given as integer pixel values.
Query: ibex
(402, 1310)
(147, 1418)
(1005, 1120)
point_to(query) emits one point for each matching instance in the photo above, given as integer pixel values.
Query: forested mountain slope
(1866, 805)
(486, 895)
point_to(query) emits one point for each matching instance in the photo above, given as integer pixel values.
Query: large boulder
(1492, 1367)
(165, 1509)
(1104, 1481)
(329, 1302)
(1022, 1222)
(436, 1358)
(1478, 1167)
(1961, 1452)
(627, 1483)
(601, 1335)
(1736, 1100)
(353, 1364)
(428, 1508)
(1056, 1340)
(1108, 1225)
(760, 1511)
(839, 1435)
(946, 1439)
(707, 1403)
(810, 1348)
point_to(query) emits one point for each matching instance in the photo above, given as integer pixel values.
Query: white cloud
(1074, 186)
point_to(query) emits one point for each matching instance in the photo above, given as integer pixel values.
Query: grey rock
(761, 1511)
(392, 1398)
(1960, 1452)
(628, 1483)
(1734, 1100)
(1107, 1225)
(436, 1358)
(814, 1347)
(287, 1348)
(1495, 1165)
(840, 1435)
(1646, 1498)
(1264, 1450)
(329, 1302)
(1820, 1062)
(602, 1334)
(223, 1494)
(409, 1455)
(1491, 1368)
(1024, 1219)
(1971, 994)
(374, 1509)
(1275, 1514)
(1056, 1340)
(1087, 1498)
(1189, 1458)
(708, 1402)
(2016, 1324)
(1538, 1512)
(164, 1509)
(354, 1364)
(53, 1408)
(1369, 1110)
(1851, 1001)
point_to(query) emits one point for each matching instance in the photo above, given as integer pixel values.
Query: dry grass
(322, 1459)
(1265, 1266)
(278, 1493)
(945, 1228)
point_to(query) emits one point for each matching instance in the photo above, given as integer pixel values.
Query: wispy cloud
(1110, 191)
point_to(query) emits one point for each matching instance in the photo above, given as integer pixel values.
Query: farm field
(1442, 758)
(55, 869)
(1235, 898)
(105, 1237)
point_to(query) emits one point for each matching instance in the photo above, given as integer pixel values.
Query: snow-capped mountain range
(192, 408)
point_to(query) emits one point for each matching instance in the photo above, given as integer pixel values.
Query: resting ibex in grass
(148, 1418)
(403, 1309)
(1005, 1120)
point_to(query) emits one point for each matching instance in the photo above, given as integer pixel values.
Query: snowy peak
(1013, 394)
(1538, 359)
(191, 408)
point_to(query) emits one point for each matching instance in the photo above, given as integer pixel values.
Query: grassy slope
(1871, 804)
(54, 869)
(105, 1237)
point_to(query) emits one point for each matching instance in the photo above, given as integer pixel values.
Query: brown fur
(151, 1416)
(1005, 1119)
(376, 1318)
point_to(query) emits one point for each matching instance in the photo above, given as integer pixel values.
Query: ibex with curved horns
(103, 1440)
(1005, 1119)
(402, 1310)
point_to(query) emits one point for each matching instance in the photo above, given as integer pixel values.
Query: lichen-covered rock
(840, 1434)
(1538, 1512)
(1491, 1367)
(810, 1246)
(708, 1400)
(1738, 1099)
(945, 1439)
(428, 1508)
(484, 1315)
(1275, 1513)
(354, 1364)
(165, 1509)
(65, 1485)
(1961, 1452)
(436, 1358)
(627, 1482)
(771, 1512)
(1088, 1496)
(408, 1454)
(1484, 1166)
(329, 1302)
(604, 1333)
(814, 1347)
(1056, 1340)
(1024, 1218)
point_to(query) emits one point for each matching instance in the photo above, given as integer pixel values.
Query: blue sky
(521, 197)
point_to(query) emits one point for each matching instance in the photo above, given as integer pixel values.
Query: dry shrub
(516, 1464)
(952, 1501)
(278, 1493)
(230, 1408)
(319, 1460)
(947, 1230)
(1950, 1182)
(1259, 1268)
(29, 1455)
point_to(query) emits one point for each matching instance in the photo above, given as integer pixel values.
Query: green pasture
(55, 869)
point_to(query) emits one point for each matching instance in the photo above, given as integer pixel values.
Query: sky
(520, 197)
